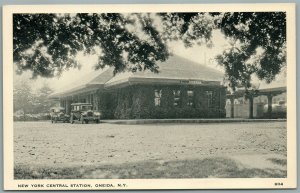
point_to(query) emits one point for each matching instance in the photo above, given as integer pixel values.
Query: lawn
(58, 151)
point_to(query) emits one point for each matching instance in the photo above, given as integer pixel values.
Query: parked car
(84, 113)
(58, 114)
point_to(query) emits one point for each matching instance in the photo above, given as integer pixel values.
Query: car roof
(87, 104)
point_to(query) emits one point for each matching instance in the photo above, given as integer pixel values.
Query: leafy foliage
(47, 44)
(137, 102)
(253, 31)
(28, 101)
(191, 27)
(23, 97)
(43, 103)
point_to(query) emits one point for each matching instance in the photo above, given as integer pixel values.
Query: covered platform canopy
(270, 92)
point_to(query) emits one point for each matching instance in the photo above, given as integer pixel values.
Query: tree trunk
(270, 106)
(24, 116)
(232, 106)
(251, 107)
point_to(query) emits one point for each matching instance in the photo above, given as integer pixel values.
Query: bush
(32, 117)
(137, 102)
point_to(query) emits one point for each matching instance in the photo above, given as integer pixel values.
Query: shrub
(32, 117)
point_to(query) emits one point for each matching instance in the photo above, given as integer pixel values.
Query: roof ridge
(103, 72)
(197, 63)
(175, 67)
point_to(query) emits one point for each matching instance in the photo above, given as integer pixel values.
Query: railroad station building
(181, 89)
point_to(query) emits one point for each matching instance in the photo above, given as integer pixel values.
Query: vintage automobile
(84, 113)
(58, 114)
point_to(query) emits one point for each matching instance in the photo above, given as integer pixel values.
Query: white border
(228, 183)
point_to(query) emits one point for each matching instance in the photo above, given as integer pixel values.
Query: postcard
(160, 96)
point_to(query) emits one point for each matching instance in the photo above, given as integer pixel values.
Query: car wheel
(82, 119)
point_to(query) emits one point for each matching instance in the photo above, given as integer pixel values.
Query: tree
(47, 44)
(262, 46)
(23, 98)
(259, 41)
(192, 28)
(43, 104)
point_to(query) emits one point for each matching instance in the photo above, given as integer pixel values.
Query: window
(209, 95)
(157, 97)
(176, 97)
(86, 108)
(190, 95)
(76, 108)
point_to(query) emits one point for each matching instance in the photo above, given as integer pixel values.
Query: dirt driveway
(62, 150)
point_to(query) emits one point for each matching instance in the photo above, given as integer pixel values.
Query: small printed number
(278, 184)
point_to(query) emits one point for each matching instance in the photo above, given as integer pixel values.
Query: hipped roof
(91, 81)
(176, 68)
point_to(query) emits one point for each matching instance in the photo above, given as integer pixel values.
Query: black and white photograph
(149, 97)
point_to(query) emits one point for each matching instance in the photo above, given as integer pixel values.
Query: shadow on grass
(281, 162)
(217, 167)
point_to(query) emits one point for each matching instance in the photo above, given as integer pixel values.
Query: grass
(277, 161)
(216, 167)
